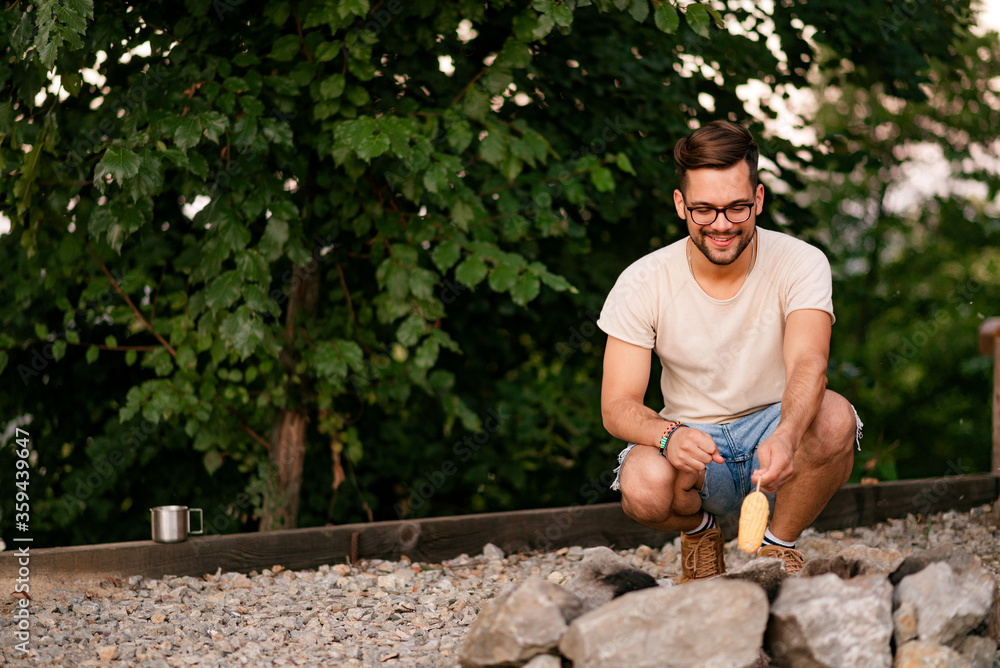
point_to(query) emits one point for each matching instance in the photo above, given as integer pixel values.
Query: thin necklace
(753, 255)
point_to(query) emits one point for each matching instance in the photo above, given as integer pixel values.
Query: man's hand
(775, 457)
(691, 450)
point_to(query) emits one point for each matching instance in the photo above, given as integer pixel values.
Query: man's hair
(718, 145)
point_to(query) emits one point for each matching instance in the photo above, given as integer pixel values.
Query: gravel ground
(375, 613)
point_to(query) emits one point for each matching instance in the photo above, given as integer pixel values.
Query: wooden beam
(436, 539)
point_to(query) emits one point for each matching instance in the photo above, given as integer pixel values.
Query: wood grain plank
(437, 539)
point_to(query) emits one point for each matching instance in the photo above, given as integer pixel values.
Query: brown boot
(701, 555)
(794, 560)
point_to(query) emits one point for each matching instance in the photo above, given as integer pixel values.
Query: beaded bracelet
(666, 436)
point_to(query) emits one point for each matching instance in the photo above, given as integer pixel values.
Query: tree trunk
(288, 452)
(288, 437)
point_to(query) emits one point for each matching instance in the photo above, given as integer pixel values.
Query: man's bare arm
(806, 353)
(626, 375)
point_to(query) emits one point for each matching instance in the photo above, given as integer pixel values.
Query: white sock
(770, 539)
(707, 522)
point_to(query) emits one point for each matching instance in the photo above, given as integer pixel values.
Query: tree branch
(243, 423)
(138, 313)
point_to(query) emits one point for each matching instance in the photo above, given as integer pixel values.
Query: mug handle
(201, 522)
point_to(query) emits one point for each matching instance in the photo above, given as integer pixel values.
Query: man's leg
(822, 464)
(657, 495)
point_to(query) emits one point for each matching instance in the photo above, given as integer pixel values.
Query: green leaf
(503, 277)
(285, 48)
(242, 331)
(436, 178)
(625, 164)
(410, 329)
(120, 162)
(223, 291)
(665, 17)
(639, 10)
(92, 353)
(462, 214)
(562, 15)
(41, 331)
(426, 354)
(603, 179)
(527, 288)
(347, 8)
(212, 461)
(698, 18)
(471, 271)
(130, 357)
(373, 146)
(328, 51)
(446, 254)
(332, 86)
(188, 132)
(492, 147)
(459, 135)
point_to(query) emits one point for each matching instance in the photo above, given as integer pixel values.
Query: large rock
(828, 621)
(673, 626)
(949, 604)
(979, 651)
(767, 572)
(854, 561)
(603, 576)
(525, 620)
(920, 654)
(959, 560)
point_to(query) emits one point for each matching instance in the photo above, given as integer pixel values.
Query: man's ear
(759, 199)
(679, 204)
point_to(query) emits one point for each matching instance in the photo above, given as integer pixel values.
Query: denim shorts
(726, 484)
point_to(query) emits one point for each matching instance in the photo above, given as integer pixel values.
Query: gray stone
(524, 620)
(545, 661)
(904, 623)
(767, 572)
(666, 627)
(491, 551)
(916, 561)
(922, 654)
(827, 621)
(852, 562)
(979, 651)
(949, 604)
(603, 576)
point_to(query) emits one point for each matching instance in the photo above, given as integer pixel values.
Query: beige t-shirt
(722, 359)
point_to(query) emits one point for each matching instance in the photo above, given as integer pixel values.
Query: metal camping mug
(172, 524)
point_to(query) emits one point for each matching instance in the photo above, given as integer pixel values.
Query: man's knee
(834, 427)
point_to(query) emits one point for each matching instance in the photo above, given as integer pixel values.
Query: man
(740, 318)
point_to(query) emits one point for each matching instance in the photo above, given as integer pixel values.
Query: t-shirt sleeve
(627, 314)
(809, 283)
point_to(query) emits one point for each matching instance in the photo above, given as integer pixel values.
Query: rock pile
(861, 607)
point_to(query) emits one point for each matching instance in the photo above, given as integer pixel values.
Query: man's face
(721, 242)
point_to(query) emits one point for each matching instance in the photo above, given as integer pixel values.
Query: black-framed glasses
(734, 213)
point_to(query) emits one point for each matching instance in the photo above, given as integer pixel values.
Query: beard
(723, 256)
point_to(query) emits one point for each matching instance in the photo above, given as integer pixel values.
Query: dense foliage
(333, 260)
